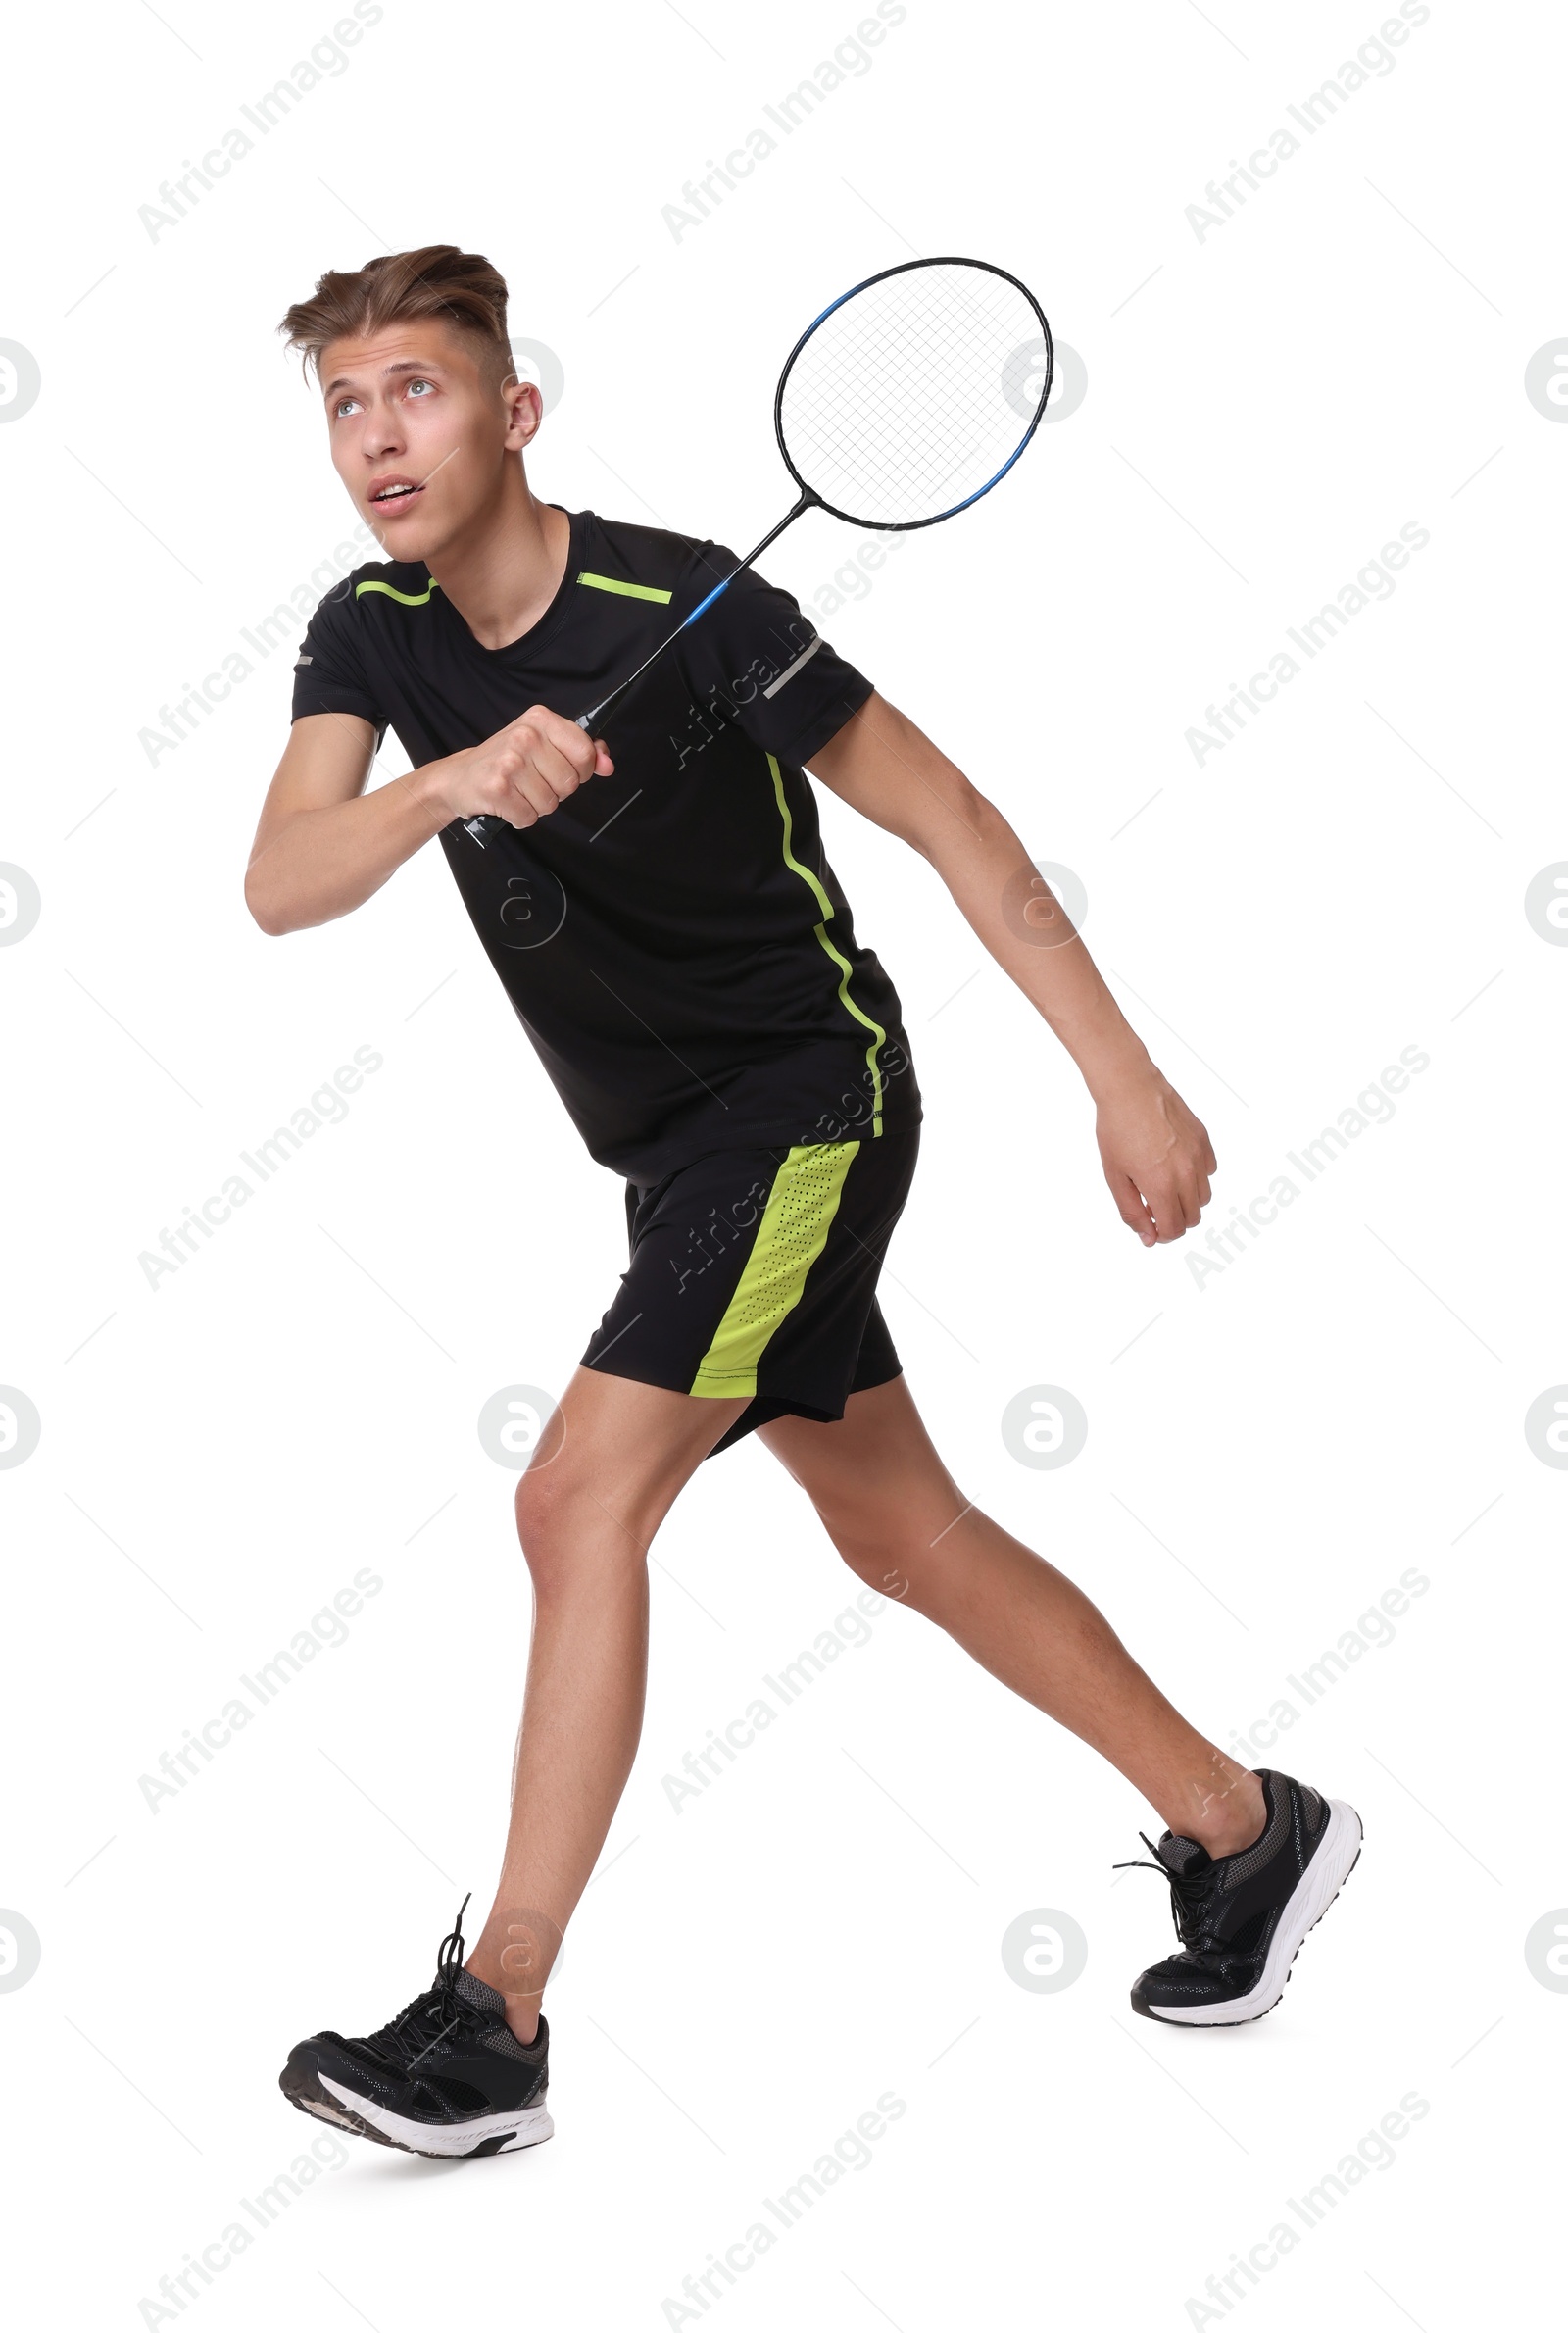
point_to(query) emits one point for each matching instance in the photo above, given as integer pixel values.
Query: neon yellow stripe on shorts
(793, 1233)
(879, 1036)
(630, 591)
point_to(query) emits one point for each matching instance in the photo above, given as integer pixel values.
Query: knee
(898, 1545)
(875, 1547)
(538, 1513)
(567, 1534)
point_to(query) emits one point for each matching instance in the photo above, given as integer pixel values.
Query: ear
(525, 409)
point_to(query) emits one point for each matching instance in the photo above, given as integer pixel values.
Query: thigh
(873, 1475)
(622, 1448)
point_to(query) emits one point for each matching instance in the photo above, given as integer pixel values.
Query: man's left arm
(1156, 1157)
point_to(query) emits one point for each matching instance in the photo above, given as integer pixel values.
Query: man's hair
(461, 287)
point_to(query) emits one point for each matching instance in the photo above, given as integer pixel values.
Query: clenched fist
(1156, 1156)
(523, 772)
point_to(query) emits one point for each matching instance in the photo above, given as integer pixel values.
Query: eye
(419, 384)
(344, 405)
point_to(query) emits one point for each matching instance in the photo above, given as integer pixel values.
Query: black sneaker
(447, 2077)
(1241, 1919)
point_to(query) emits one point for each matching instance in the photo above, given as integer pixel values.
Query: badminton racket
(899, 406)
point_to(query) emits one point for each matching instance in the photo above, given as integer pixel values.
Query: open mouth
(395, 492)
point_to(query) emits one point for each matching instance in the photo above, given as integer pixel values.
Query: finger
(536, 791)
(1190, 1194)
(1170, 1217)
(527, 790)
(604, 767)
(566, 739)
(1192, 1205)
(1184, 1211)
(541, 740)
(561, 771)
(1131, 1209)
(544, 776)
(565, 759)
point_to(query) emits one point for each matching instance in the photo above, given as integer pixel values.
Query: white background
(1265, 408)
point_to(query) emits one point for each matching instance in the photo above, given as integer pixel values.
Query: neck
(502, 574)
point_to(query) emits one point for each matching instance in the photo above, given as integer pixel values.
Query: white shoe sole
(1316, 1889)
(526, 2127)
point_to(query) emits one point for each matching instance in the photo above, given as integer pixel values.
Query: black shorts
(754, 1271)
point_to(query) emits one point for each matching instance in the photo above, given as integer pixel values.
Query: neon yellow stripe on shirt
(629, 591)
(879, 1036)
(404, 599)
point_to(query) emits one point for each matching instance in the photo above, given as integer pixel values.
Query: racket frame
(907, 267)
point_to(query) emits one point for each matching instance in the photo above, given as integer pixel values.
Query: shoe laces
(1192, 1895)
(435, 2014)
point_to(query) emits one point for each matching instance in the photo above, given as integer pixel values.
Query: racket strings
(859, 415)
(895, 409)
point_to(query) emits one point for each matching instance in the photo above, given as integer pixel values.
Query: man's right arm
(324, 845)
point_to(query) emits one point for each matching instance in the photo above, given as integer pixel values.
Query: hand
(523, 772)
(1156, 1156)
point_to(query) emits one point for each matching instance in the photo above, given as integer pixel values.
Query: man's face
(422, 432)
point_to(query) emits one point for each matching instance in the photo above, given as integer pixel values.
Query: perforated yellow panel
(791, 1236)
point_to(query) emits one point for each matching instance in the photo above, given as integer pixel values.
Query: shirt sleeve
(756, 659)
(329, 675)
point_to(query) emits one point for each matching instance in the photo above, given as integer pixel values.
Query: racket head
(899, 406)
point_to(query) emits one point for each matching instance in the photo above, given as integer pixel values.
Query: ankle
(1232, 1815)
(522, 2010)
(514, 1953)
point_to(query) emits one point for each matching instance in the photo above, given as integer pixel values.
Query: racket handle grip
(481, 827)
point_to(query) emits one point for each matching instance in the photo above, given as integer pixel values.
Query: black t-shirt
(672, 939)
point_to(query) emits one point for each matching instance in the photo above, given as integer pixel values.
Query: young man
(683, 959)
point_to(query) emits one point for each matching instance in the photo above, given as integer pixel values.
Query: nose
(382, 435)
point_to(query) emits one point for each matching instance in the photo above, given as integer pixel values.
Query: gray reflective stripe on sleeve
(790, 670)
